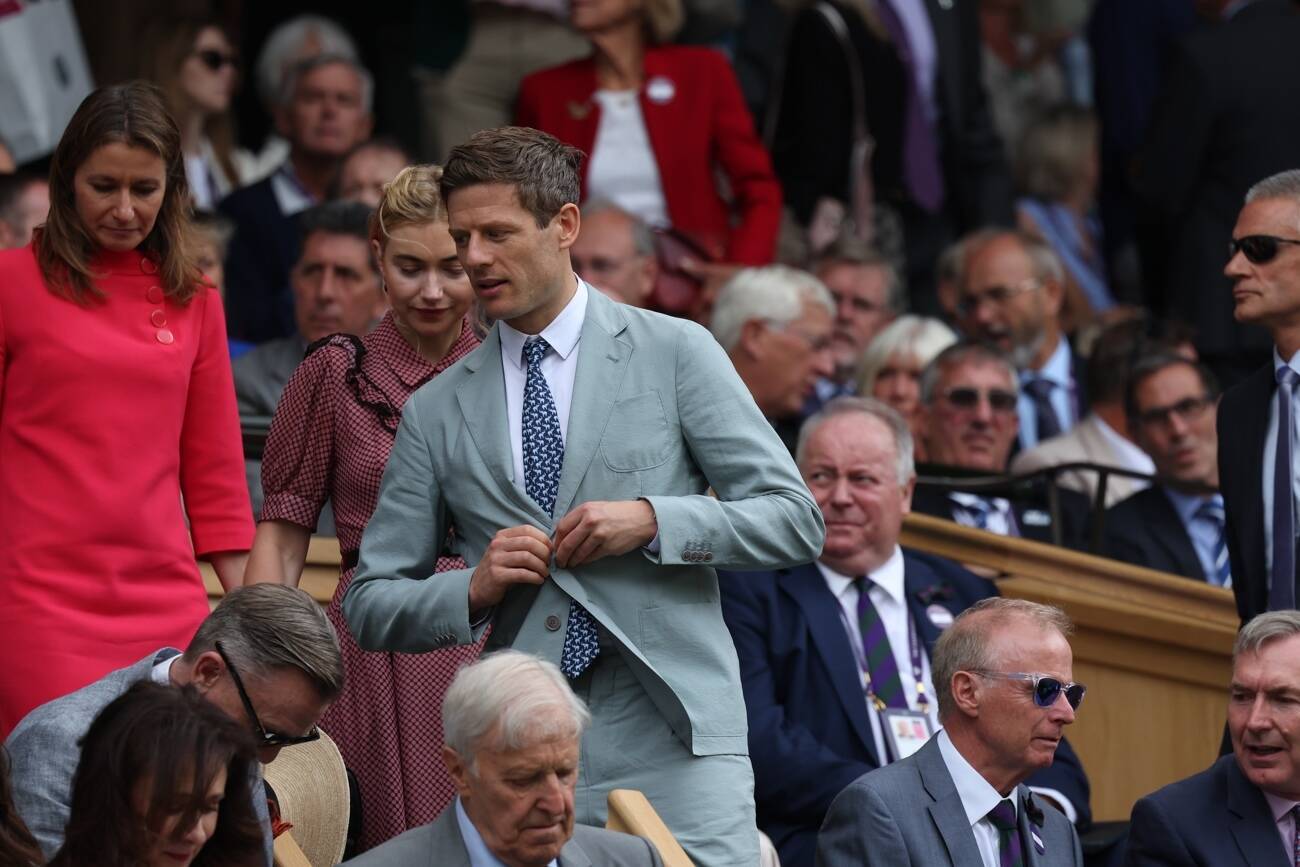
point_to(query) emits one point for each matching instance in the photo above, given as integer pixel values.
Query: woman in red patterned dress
(330, 439)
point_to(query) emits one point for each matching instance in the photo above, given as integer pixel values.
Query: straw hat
(311, 784)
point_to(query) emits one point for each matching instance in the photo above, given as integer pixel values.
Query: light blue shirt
(1270, 455)
(479, 854)
(1057, 372)
(1203, 533)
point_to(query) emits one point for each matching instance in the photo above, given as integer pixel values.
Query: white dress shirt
(1130, 456)
(558, 367)
(977, 799)
(161, 673)
(1270, 455)
(1282, 816)
(623, 167)
(479, 854)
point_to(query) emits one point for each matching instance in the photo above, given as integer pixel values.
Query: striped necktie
(881, 664)
(1211, 512)
(1003, 817)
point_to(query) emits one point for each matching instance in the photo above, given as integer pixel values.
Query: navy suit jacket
(1033, 516)
(264, 249)
(1145, 530)
(1217, 817)
(809, 730)
(1243, 428)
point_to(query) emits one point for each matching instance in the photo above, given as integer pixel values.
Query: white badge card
(906, 731)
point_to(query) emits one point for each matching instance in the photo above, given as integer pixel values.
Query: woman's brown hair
(132, 114)
(167, 744)
(411, 197)
(17, 845)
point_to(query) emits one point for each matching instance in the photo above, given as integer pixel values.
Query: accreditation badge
(906, 731)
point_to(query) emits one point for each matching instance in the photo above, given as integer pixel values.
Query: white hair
(904, 460)
(284, 49)
(773, 293)
(516, 697)
(317, 61)
(920, 337)
(1283, 185)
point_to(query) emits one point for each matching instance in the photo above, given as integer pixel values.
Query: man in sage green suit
(668, 471)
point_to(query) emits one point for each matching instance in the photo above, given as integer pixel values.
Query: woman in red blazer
(694, 118)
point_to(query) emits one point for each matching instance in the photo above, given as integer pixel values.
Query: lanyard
(914, 652)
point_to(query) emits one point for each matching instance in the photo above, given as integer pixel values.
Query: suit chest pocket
(638, 436)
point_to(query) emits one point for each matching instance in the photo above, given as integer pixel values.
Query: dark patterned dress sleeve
(298, 463)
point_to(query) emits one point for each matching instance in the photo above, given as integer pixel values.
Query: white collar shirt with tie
(984, 513)
(1270, 450)
(1203, 532)
(977, 799)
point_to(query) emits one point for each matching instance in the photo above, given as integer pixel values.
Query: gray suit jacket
(1086, 441)
(45, 748)
(439, 844)
(658, 413)
(909, 813)
(262, 373)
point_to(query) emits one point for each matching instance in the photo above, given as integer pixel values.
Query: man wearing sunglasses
(1244, 810)
(1003, 678)
(1177, 524)
(266, 656)
(1259, 458)
(969, 394)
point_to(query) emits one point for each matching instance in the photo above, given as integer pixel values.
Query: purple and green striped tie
(1003, 817)
(881, 664)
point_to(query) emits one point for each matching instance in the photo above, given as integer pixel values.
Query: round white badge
(939, 616)
(660, 89)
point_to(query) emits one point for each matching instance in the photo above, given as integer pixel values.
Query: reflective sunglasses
(1046, 689)
(264, 737)
(1258, 249)
(966, 399)
(214, 59)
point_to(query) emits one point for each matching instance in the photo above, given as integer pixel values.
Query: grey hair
(951, 264)
(904, 460)
(265, 628)
(643, 239)
(1283, 185)
(849, 250)
(283, 49)
(1265, 629)
(964, 646)
(960, 353)
(1043, 260)
(921, 337)
(516, 696)
(773, 293)
(319, 61)
(1052, 152)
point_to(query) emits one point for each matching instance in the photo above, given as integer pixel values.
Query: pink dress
(330, 439)
(110, 413)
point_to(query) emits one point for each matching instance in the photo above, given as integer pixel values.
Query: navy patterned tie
(1003, 817)
(1040, 393)
(1281, 593)
(543, 461)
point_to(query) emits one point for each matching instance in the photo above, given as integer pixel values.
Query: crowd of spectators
(1028, 268)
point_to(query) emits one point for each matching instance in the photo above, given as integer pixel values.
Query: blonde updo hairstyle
(410, 198)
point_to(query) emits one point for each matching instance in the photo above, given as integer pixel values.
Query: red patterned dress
(330, 439)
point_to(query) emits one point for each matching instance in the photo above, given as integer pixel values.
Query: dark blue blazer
(1217, 817)
(1145, 530)
(809, 731)
(264, 249)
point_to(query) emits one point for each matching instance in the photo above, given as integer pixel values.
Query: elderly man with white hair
(775, 323)
(512, 729)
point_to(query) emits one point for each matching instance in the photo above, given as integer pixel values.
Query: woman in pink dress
(330, 440)
(117, 414)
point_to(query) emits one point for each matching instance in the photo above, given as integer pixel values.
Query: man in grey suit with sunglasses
(1003, 675)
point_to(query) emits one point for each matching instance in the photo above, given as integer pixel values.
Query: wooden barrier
(631, 813)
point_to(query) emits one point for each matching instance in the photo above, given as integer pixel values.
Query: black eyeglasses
(214, 59)
(264, 737)
(1258, 249)
(1046, 689)
(1188, 408)
(967, 399)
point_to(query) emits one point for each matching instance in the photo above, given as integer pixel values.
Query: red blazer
(703, 123)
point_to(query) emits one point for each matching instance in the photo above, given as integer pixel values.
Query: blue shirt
(1203, 533)
(1270, 455)
(1057, 372)
(479, 854)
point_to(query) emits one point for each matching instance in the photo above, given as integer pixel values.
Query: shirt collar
(1187, 504)
(977, 796)
(479, 854)
(1278, 805)
(289, 192)
(405, 361)
(562, 333)
(161, 673)
(1057, 368)
(1278, 363)
(1129, 453)
(888, 577)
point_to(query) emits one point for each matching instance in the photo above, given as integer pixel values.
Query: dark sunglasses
(214, 59)
(969, 398)
(1046, 690)
(264, 737)
(1188, 408)
(1258, 249)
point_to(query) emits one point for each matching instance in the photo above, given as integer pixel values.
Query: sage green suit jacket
(658, 413)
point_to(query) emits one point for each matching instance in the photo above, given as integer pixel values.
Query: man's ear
(206, 671)
(569, 222)
(1053, 297)
(965, 693)
(753, 338)
(457, 769)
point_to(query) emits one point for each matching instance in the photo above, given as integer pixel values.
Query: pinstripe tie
(1211, 512)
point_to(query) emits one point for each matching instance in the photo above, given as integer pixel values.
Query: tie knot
(1003, 816)
(1212, 510)
(1039, 387)
(1287, 376)
(534, 349)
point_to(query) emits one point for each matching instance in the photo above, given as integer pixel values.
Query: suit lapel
(1027, 831)
(482, 399)
(917, 579)
(1254, 430)
(1252, 823)
(1166, 528)
(947, 811)
(573, 855)
(602, 361)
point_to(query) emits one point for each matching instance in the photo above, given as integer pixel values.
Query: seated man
(1176, 525)
(968, 394)
(802, 634)
(511, 730)
(266, 656)
(775, 325)
(1240, 812)
(1003, 674)
(366, 170)
(615, 252)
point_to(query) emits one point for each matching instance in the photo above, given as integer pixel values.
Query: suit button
(552, 623)
(154, 295)
(158, 318)
(165, 337)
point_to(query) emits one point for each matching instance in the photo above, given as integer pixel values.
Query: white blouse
(623, 168)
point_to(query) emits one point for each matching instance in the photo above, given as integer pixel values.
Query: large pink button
(165, 337)
(154, 295)
(147, 266)
(158, 318)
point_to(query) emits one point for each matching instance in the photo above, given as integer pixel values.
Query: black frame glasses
(264, 737)
(1046, 689)
(1187, 409)
(1258, 249)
